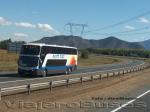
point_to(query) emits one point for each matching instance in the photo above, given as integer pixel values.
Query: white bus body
(43, 59)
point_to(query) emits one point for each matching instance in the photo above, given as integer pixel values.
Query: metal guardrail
(66, 81)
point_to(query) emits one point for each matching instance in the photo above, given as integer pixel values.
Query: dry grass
(8, 61)
(8, 66)
(97, 60)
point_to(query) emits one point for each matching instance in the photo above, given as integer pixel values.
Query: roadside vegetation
(121, 52)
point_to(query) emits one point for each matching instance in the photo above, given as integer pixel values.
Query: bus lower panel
(30, 72)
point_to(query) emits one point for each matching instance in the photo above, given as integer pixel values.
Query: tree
(84, 54)
(4, 44)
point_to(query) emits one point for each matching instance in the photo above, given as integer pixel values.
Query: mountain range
(110, 42)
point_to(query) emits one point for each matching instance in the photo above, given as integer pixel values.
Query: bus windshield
(30, 49)
(28, 61)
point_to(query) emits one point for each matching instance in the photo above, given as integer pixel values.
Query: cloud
(129, 27)
(20, 35)
(3, 21)
(45, 27)
(144, 20)
(25, 25)
(3, 38)
(48, 28)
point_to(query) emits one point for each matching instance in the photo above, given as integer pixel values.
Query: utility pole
(83, 28)
(73, 25)
(70, 27)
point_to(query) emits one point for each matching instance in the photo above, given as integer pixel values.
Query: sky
(31, 20)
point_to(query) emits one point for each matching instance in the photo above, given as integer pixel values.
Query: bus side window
(53, 50)
(51, 62)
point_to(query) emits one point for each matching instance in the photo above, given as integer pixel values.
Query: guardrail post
(123, 72)
(107, 75)
(81, 79)
(113, 74)
(100, 76)
(67, 82)
(92, 78)
(0, 94)
(133, 69)
(29, 89)
(50, 86)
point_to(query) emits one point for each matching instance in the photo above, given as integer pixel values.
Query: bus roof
(43, 44)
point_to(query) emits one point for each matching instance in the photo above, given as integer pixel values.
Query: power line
(137, 33)
(124, 32)
(121, 22)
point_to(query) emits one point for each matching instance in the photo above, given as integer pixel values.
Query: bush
(4, 44)
(84, 54)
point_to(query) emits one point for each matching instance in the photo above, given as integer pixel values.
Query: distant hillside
(146, 44)
(110, 42)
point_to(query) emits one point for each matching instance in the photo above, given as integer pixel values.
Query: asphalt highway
(13, 76)
(140, 105)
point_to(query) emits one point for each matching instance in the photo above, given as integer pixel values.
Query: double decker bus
(44, 59)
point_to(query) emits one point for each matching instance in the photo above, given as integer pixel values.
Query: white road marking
(127, 103)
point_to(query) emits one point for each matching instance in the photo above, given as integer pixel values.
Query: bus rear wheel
(68, 71)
